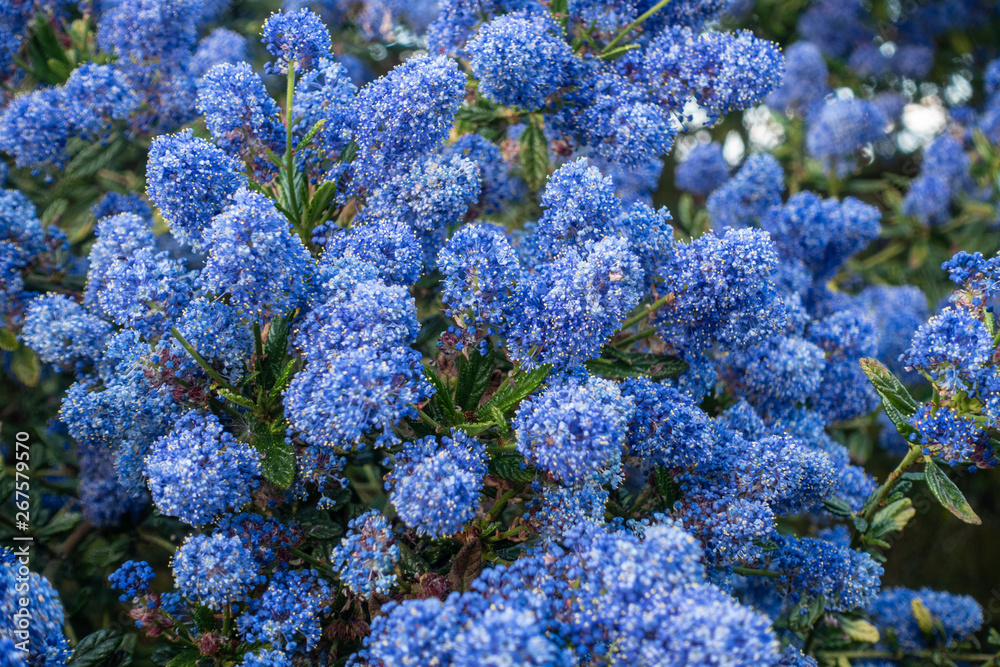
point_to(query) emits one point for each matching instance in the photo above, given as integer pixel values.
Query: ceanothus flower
(435, 487)
(848, 579)
(749, 194)
(520, 59)
(367, 555)
(190, 181)
(290, 607)
(34, 128)
(254, 258)
(132, 579)
(221, 46)
(841, 127)
(667, 428)
(146, 30)
(804, 83)
(43, 638)
(955, 437)
(952, 347)
(216, 330)
(575, 430)
(199, 470)
(956, 617)
(403, 115)
(722, 291)
(100, 94)
(120, 235)
(241, 116)
(215, 571)
(297, 37)
(62, 332)
(389, 245)
(113, 203)
(703, 170)
(570, 308)
(480, 269)
(325, 94)
(145, 291)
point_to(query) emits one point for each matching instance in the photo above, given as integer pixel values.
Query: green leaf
(319, 202)
(479, 113)
(509, 396)
(278, 466)
(442, 396)
(186, 659)
(60, 523)
(273, 157)
(474, 376)
(892, 518)
(859, 630)
(899, 406)
(205, 618)
(312, 132)
(616, 364)
(95, 648)
(508, 466)
(25, 364)
(8, 340)
(837, 507)
(948, 494)
(274, 351)
(534, 155)
(560, 11)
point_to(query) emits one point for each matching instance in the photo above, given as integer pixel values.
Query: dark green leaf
(617, 365)
(319, 202)
(278, 466)
(8, 340)
(205, 618)
(508, 466)
(509, 396)
(534, 155)
(891, 519)
(60, 523)
(442, 396)
(274, 351)
(312, 132)
(837, 507)
(347, 155)
(665, 485)
(899, 406)
(474, 376)
(95, 648)
(25, 364)
(186, 659)
(948, 494)
(478, 115)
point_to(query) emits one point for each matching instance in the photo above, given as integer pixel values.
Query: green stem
(634, 24)
(501, 449)
(625, 342)
(298, 553)
(428, 420)
(221, 381)
(650, 309)
(883, 491)
(753, 572)
(501, 503)
(289, 154)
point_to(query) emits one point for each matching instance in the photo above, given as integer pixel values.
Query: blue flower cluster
(366, 557)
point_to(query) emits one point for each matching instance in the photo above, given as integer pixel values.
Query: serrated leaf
(837, 507)
(509, 396)
(502, 425)
(534, 155)
(508, 466)
(95, 648)
(204, 618)
(925, 620)
(474, 376)
(185, 659)
(442, 396)
(274, 351)
(478, 115)
(949, 495)
(319, 202)
(897, 402)
(25, 365)
(859, 630)
(278, 466)
(8, 340)
(616, 364)
(892, 518)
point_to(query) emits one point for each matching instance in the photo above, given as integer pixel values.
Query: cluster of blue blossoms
(396, 430)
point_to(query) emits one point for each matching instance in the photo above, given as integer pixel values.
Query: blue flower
(215, 571)
(62, 332)
(254, 259)
(749, 194)
(840, 128)
(848, 579)
(703, 170)
(221, 46)
(804, 84)
(367, 555)
(198, 470)
(575, 430)
(403, 115)
(435, 489)
(520, 59)
(34, 128)
(289, 607)
(298, 37)
(667, 429)
(481, 270)
(956, 617)
(190, 181)
(132, 579)
(952, 347)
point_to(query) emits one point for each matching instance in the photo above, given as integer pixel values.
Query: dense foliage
(494, 333)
